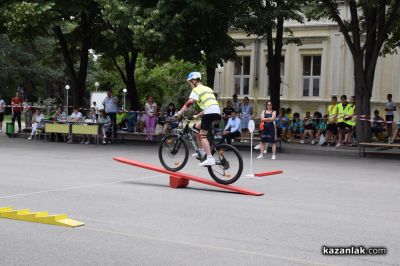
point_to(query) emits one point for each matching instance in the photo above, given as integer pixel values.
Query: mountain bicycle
(173, 153)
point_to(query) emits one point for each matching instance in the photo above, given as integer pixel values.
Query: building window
(311, 76)
(242, 75)
(282, 76)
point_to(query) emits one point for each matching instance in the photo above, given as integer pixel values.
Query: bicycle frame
(189, 133)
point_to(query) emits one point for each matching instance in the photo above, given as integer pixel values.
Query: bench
(256, 140)
(385, 146)
(124, 135)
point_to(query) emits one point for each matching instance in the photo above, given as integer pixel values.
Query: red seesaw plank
(269, 173)
(187, 176)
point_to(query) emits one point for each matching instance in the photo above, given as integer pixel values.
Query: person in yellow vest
(350, 120)
(341, 107)
(205, 99)
(332, 128)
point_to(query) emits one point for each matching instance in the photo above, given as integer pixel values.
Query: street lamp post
(67, 87)
(96, 85)
(124, 91)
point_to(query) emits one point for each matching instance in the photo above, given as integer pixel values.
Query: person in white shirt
(36, 122)
(76, 116)
(390, 109)
(96, 107)
(2, 109)
(232, 128)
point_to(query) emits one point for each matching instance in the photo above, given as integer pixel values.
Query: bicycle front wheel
(229, 164)
(173, 153)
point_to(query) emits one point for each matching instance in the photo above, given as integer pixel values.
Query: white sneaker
(208, 162)
(265, 151)
(82, 142)
(260, 156)
(338, 145)
(257, 147)
(312, 142)
(30, 137)
(87, 142)
(273, 157)
(301, 141)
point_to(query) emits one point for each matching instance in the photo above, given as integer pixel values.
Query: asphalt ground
(133, 218)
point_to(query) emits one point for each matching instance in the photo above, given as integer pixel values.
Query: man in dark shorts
(390, 109)
(341, 122)
(332, 129)
(205, 99)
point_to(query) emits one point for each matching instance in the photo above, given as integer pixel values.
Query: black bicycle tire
(160, 148)
(238, 174)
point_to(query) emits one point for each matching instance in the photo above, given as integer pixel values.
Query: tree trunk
(79, 97)
(210, 69)
(78, 80)
(363, 98)
(274, 64)
(128, 77)
(130, 67)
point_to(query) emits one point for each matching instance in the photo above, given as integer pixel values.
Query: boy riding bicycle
(205, 98)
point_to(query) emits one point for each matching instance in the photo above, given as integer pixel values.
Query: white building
(311, 73)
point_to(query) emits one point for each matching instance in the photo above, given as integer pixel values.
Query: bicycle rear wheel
(173, 153)
(229, 164)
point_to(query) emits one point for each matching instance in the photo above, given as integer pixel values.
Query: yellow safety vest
(332, 113)
(206, 96)
(341, 112)
(350, 108)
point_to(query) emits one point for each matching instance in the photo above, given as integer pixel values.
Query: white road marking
(80, 187)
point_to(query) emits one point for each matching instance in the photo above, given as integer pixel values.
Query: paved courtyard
(133, 218)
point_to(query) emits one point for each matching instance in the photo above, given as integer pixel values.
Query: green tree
(33, 65)
(73, 23)
(262, 18)
(373, 29)
(198, 31)
(130, 27)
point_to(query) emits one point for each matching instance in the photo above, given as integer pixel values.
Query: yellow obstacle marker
(38, 217)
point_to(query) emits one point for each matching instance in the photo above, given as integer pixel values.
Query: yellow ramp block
(38, 217)
(5, 209)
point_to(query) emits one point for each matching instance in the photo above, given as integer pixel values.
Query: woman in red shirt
(16, 103)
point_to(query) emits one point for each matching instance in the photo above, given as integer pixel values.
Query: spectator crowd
(336, 127)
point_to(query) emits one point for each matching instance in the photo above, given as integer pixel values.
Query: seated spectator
(59, 115)
(90, 118)
(170, 123)
(36, 122)
(232, 128)
(226, 112)
(377, 125)
(297, 127)
(76, 116)
(106, 126)
(129, 122)
(282, 123)
(321, 129)
(309, 127)
(289, 114)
